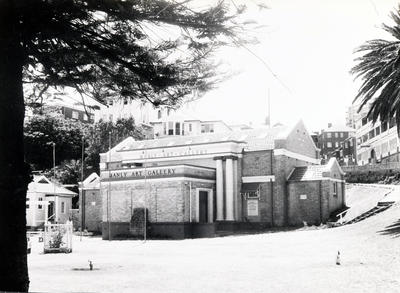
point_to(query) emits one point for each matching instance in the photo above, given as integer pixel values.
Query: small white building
(47, 200)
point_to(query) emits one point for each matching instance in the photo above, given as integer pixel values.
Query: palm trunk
(14, 174)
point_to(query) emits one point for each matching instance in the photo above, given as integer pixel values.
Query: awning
(250, 190)
(250, 187)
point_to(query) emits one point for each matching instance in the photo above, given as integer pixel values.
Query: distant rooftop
(339, 128)
(255, 138)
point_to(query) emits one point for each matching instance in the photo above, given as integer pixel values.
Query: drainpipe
(190, 202)
(272, 190)
(320, 201)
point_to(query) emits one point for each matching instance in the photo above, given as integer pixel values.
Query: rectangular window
(63, 207)
(392, 122)
(364, 121)
(27, 206)
(170, 128)
(190, 127)
(328, 144)
(384, 126)
(371, 134)
(203, 128)
(351, 142)
(75, 115)
(336, 144)
(40, 207)
(377, 131)
(341, 134)
(329, 135)
(335, 189)
(336, 135)
(165, 128)
(177, 128)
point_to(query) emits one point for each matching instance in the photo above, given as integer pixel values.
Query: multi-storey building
(376, 142)
(335, 141)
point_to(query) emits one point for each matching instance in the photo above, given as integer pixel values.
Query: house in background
(334, 139)
(47, 200)
(90, 204)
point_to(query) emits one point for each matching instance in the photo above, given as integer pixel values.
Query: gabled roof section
(91, 182)
(315, 172)
(306, 173)
(41, 184)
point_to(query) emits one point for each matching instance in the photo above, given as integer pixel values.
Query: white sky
(309, 45)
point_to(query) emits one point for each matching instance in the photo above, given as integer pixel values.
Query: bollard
(338, 258)
(90, 265)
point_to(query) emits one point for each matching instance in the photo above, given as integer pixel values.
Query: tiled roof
(312, 172)
(255, 139)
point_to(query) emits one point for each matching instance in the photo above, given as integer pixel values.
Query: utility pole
(83, 206)
(109, 187)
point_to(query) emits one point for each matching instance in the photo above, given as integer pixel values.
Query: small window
(170, 128)
(125, 101)
(328, 144)
(159, 114)
(341, 134)
(40, 207)
(75, 115)
(336, 144)
(27, 206)
(377, 131)
(329, 135)
(336, 134)
(335, 188)
(177, 128)
(63, 207)
(165, 128)
(190, 127)
(40, 199)
(384, 127)
(392, 122)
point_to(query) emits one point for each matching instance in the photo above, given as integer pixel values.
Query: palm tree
(379, 69)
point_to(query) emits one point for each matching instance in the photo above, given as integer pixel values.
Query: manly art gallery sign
(139, 174)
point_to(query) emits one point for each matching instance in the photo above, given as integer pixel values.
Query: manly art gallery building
(196, 186)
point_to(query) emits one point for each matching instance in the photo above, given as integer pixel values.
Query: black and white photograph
(200, 146)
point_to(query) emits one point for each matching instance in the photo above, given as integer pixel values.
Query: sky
(306, 49)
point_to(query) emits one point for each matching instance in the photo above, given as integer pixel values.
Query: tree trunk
(14, 173)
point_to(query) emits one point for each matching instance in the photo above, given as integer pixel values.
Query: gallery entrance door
(203, 206)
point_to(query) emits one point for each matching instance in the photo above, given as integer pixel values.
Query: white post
(229, 190)
(220, 190)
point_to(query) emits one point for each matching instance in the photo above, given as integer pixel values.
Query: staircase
(375, 210)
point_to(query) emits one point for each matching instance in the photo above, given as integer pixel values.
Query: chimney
(329, 125)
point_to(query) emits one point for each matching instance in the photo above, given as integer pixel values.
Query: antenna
(268, 118)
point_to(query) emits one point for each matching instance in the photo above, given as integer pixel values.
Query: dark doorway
(373, 157)
(50, 212)
(203, 207)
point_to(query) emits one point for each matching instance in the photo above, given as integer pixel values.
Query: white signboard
(252, 207)
(303, 196)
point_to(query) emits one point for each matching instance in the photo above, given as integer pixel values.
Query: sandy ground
(296, 261)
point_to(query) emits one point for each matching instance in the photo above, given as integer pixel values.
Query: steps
(375, 210)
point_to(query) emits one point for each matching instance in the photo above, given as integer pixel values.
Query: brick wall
(308, 209)
(282, 167)
(256, 163)
(93, 210)
(319, 203)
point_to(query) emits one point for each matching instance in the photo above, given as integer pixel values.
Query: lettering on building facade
(140, 173)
